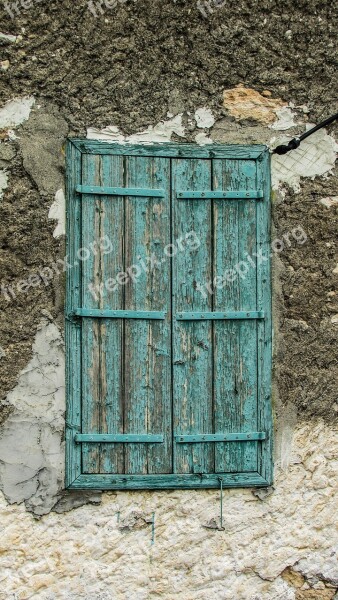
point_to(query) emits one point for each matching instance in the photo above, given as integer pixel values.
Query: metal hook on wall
(221, 503)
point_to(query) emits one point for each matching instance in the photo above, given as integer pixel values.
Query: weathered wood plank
(183, 481)
(111, 330)
(235, 342)
(231, 151)
(248, 329)
(265, 464)
(147, 343)
(73, 330)
(192, 340)
(91, 276)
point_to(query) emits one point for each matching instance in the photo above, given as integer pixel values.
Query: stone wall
(140, 71)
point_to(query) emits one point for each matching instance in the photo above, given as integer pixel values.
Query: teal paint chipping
(168, 371)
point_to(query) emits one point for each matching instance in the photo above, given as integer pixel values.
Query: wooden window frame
(74, 477)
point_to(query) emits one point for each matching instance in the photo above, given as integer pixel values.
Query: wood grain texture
(192, 340)
(232, 151)
(91, 350)
(111, 331)
(235, 342)
(73, 329)
(264, 350)
(183, 481)
(147, 342)
(168, 377)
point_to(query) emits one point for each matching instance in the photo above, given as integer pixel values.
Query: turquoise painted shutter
(126, 363)
(216, 361)
(168, 373)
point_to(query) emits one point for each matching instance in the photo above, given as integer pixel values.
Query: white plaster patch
(334, 320)
(204, 118)
(15, 112)
(285, 119)
(31, 447)
(202, 139)
(162, 132)
(58, 212)
(84, 553)
(3, 182)
(316, 156)
(329, 201)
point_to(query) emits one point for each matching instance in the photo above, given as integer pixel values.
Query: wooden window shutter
(168, 316)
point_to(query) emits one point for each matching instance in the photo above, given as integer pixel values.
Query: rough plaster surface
(31, 455)
(15, 112)
(58, 212)
(3, 182)
(315, 156)
(105, 552)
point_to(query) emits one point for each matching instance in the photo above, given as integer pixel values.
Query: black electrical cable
(294, 143)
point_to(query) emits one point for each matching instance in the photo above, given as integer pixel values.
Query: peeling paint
(58, 212)
(285, 119)
(329, 201)
(202, 138)
(162, 132)
(204, 118)
(3, 181)
(15, 112)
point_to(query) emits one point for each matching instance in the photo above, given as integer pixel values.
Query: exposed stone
(246, 103)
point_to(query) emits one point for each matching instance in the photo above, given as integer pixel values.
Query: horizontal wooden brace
(209, 151)
(118, 191)
(120, 438)
(169, 481)
(211, 316)
(221, 437)
(119, 314)
(219, 194)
